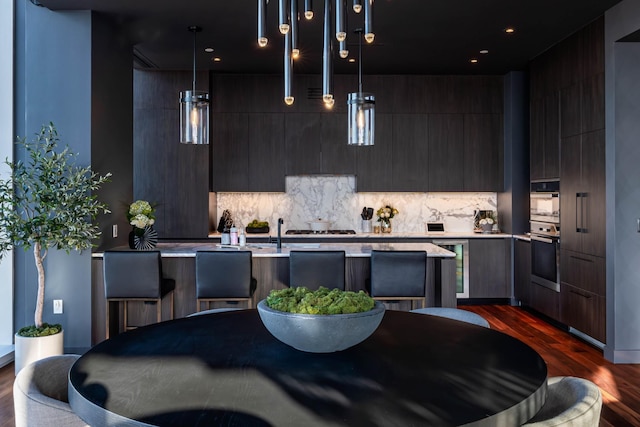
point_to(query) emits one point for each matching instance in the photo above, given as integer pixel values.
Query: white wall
(6, 151)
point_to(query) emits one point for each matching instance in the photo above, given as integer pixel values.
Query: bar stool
(398, 275)
(135, 276)
(224, 276)
(313, 269)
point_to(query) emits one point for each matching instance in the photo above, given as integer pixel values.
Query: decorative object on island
(484, 221)
(343, 319)
(362, 107)
(141, 217)
(385, 214)
(288, 26)
(256, 226)
(47, 203)
(194, 108)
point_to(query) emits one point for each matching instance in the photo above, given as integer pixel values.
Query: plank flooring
(564, 354)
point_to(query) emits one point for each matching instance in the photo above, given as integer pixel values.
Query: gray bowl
(318, 333)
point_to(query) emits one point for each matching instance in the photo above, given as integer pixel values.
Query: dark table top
(226, 369)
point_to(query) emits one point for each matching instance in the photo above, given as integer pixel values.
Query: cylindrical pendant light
(327, 56)
(308, 9)
(295, 51)
(361, 109)
(194, 108)
(341, 20)
(283, 16)
(262, 23)
(288, 70)
(343, 50)
(357, 6)
(368, 21)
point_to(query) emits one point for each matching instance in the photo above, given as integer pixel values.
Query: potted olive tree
(47, 202)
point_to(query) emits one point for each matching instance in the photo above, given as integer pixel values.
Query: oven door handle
(542, 239)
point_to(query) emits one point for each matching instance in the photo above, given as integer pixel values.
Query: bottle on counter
(242, 238)
(233, 235)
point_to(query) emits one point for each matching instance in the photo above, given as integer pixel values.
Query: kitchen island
(271, 270)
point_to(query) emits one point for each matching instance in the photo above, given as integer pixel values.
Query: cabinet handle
(578, 212)
(580, 294)
(584, 212)
(581, 259)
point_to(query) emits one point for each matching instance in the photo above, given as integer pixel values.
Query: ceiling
(412, 36)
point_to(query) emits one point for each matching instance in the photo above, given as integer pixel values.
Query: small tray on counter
(256, 230)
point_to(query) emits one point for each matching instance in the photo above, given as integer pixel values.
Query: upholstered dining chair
(224, 276)
(135, 276)
(571, 401)
(40, 396)
(455, 314)
(313, 269)
(398, 275)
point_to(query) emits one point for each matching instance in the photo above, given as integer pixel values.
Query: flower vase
(143, 238)
(385, 226)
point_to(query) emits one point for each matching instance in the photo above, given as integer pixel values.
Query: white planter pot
(30, 349)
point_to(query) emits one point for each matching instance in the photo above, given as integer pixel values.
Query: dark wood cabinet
(544, 300)
(483, 152)
(374, 164)
(489, 268)
(522, 271)
(410, 152)
(545, 137)
(303, 141)
(583, 271)
(446, 147)
(571, 110)
(582, 189)
(584, 311)
(266, 167)
(337, 156)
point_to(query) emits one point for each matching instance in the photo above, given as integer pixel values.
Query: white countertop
(433, 235)
(352, 250)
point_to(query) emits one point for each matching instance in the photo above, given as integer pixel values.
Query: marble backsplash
(334, 198)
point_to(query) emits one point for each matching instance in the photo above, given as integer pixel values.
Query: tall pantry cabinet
(569, 78)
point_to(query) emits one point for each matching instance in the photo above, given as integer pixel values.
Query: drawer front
(545, 300)
(584, 311)
(583, 271)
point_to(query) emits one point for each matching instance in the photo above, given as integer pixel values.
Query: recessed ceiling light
(509, 30)
(484, 51)
(217, 59)
(352, 60)
(473, 60)
(208, 49)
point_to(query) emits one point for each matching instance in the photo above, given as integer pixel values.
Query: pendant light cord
(359, 61)
(194, 61)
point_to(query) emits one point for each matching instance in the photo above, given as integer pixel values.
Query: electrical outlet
(57, 306)
(114, 230)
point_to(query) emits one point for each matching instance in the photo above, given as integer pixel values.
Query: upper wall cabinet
(433, 133)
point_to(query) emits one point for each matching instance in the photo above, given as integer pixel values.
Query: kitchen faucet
(279, 242)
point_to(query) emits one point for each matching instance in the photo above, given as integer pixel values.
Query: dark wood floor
(564, 354)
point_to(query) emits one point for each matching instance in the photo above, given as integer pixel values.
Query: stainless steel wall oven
(545, 234)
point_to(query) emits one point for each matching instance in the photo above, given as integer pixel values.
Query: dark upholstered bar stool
(313, 269)
(135, 276)
(399, 275)
(224, 276)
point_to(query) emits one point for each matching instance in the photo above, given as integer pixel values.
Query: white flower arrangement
(485, 221)
(140, 214)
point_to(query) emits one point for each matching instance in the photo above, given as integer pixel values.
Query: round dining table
(226, 369)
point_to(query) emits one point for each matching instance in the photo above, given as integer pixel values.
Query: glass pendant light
(288, 70)
(262, 23)
(368, 21)
(283, 14)
(361, 109)
(327, 56)
(308, 9)
(194, 108)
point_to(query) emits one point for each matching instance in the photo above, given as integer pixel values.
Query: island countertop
(269, 250)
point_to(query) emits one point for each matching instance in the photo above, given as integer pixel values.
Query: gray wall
(54, 82)
(622, 91)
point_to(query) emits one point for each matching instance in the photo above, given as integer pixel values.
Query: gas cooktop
(320, 232)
